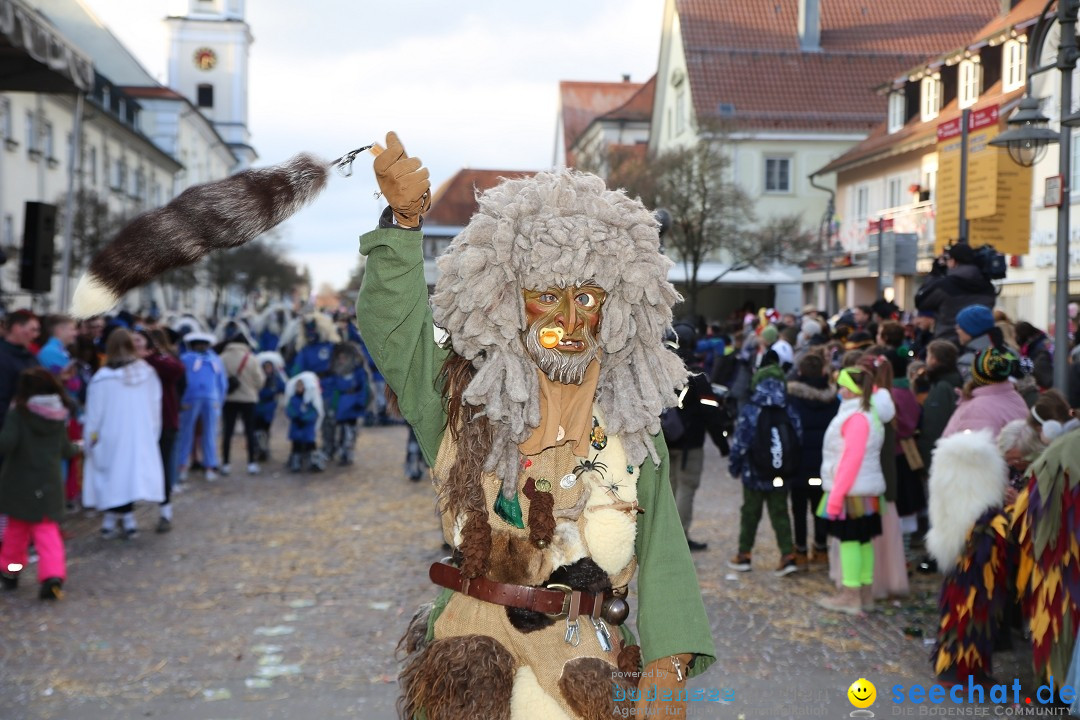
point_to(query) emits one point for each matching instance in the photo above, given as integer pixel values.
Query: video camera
(985, 257)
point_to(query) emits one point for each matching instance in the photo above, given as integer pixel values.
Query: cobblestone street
(283, 596)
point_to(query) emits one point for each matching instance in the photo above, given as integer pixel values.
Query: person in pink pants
(33, 441)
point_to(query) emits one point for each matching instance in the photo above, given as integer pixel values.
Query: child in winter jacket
(304, 410)
(33, 441)
(273, 366)
(853, 482)
(768, 435)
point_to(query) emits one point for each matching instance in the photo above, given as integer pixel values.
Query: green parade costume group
(540, 421)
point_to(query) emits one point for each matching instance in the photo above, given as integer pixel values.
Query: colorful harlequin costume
(1046, 517)
(550, 485)
(969, 538)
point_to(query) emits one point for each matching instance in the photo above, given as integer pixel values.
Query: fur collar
(967, 477)
(803, 391)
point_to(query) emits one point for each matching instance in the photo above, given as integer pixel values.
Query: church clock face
(205, 59)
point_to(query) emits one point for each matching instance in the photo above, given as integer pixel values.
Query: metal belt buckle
(565, 590)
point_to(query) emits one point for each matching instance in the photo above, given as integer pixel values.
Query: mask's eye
(586, 300)
(548, 298)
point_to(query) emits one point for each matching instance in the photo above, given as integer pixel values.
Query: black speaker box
(36, 261)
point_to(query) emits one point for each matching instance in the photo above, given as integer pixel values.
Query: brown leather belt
(553, 600)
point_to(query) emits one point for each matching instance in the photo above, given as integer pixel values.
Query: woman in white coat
(123, 423)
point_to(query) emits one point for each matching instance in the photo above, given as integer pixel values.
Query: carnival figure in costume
(541, 423)
(969, 539)
(1047, 515)
(315, 347)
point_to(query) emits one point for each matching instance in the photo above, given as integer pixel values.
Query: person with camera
(963, 283)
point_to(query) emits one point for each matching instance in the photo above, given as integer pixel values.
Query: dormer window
(897, 111)
(1014, 64)
(930, 93)
(969, 82)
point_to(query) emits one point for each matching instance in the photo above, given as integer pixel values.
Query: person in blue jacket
(345, 391)
(266, 406)
(304, 410)
(204, 394)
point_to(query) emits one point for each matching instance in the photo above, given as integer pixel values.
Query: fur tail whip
(213, 216)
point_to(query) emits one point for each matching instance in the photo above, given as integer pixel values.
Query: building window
(778, 175)
(894, 192)
(862, 205)
(47, 135)
(93, 165)
(5, 119)
(970, 82)
(931, 96)
(680, 110)
(897, 111)
(31, 134)
(1014, 64)
(206, 96)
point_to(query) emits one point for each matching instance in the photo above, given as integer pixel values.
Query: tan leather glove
(403, 182)
(668, 675)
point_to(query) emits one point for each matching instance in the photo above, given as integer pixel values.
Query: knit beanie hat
(769, 334)
(975, 320)
(992, 366)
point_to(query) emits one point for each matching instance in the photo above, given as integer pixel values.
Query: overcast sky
(464, 84)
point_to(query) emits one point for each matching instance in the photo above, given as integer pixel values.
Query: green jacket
(31, 485)
(394, 319)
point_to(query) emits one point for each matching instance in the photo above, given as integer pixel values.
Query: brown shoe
(788, 565)
(740, 562)
(846, 601)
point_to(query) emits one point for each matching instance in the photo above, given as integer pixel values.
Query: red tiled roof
(638, 107)
(454, 202)
(1026, 12)
(147, 91)
(582, 102)
(746, 55)
(916, 134)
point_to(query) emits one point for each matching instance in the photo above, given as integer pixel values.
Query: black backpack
(775, 450)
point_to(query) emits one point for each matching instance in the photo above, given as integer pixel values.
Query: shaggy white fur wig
(968, 476)
(560, 229)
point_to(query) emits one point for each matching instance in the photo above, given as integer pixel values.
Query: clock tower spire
(209, 44)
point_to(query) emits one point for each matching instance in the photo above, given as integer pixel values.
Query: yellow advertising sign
(998, 190)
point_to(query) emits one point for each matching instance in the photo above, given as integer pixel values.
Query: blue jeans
(209, 411)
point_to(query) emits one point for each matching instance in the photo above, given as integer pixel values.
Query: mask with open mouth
(563, 323)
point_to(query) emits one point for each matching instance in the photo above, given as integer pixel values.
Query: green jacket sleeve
(394, 319)
(671, 614)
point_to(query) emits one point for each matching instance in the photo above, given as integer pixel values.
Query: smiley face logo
(862, 693)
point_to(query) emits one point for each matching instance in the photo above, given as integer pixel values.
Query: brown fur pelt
(458, 678)
(213, 216)
(584, 575)
(541, 517)
(630, 661)
(415, 638)
(588, 685)
(462, 491)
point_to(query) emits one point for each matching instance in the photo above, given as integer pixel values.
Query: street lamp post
(1027, 140)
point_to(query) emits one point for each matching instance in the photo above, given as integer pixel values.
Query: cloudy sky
(464, 84)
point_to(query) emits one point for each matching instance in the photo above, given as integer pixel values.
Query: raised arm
(392, 311)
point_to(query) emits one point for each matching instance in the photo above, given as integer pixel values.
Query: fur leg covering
(590, 686)
(415, 638)
(458, 678)
(214, 216)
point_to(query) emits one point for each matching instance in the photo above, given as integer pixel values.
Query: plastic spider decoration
(585, 465)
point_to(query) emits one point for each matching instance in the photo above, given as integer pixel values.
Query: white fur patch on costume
(528, 700)
(610, 535)
(566, 546)
(92, 297)
(968, 476)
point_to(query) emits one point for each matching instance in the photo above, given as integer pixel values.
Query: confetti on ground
(380, 605)
(266, 649)
(258, 683)
(275, 630)
(216, 694)
(302, 603)
(271, 660)
(273, 671)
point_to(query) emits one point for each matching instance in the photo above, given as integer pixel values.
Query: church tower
(209, 43)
